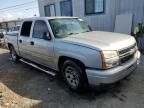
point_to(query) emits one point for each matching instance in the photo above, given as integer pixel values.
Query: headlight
(110, 59)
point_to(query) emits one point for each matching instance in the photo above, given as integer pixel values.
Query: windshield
(68, 26)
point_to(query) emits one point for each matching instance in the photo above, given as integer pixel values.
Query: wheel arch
(62, 59)
(9, 45)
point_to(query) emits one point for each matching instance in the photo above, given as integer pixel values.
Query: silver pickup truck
(67, 45)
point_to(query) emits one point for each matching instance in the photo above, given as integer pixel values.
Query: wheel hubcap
(72, 76)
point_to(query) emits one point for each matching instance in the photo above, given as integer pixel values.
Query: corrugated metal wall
(136, 7)
(105, 21)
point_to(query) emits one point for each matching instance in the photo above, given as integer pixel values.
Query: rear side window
(26, 28)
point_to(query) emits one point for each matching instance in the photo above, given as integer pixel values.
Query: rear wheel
(13, 54)
(74, 76)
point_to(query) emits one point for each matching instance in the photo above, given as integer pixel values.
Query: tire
(74, 76)
(14, 56)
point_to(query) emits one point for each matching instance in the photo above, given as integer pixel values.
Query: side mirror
(46, 36)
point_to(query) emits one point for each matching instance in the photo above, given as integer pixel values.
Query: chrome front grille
(125, 59)
(127, 53)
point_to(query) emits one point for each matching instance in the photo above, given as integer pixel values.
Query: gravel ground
(22, 86)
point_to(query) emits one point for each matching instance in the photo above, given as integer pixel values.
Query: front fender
(89, 57)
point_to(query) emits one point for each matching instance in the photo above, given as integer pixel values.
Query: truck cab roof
(46, 18)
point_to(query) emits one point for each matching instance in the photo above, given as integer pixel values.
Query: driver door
(41, 47)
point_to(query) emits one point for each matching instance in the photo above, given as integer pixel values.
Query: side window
(50, 10)
(26, 28)
(39, 29)
(66, 8)
(94, 6)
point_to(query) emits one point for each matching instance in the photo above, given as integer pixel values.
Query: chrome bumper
(97, 77)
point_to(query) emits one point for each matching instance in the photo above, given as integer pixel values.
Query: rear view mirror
(46, 36)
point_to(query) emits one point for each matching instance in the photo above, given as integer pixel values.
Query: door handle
(31, 43)
(20, 41)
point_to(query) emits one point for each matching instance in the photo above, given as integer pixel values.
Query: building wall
(4, 26)
(9, 24)
(104, 21)
(136, 7)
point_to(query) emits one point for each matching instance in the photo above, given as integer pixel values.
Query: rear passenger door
(24, 40)
(42, 47)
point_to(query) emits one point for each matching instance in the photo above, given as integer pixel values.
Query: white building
(100, 14)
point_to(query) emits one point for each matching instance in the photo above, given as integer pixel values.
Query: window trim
(71, 6)
(104, 7)
(49, 5)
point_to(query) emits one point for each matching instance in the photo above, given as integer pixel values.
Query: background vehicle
(2, 32)
(66, 45)
(14, 30)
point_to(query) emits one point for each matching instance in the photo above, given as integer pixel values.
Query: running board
(38, 67)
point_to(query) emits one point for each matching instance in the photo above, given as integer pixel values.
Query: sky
(14, 9)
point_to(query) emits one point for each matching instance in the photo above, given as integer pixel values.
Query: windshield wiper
(86, 31)
(78, 33)
(72, 33)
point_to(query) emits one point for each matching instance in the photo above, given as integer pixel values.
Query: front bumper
(98, 77)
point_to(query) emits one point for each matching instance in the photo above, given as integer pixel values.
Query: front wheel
(13, 54)
(74, 76)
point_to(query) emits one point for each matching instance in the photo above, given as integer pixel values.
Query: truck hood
(101, 40)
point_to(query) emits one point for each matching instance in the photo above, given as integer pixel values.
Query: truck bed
(12, 39)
